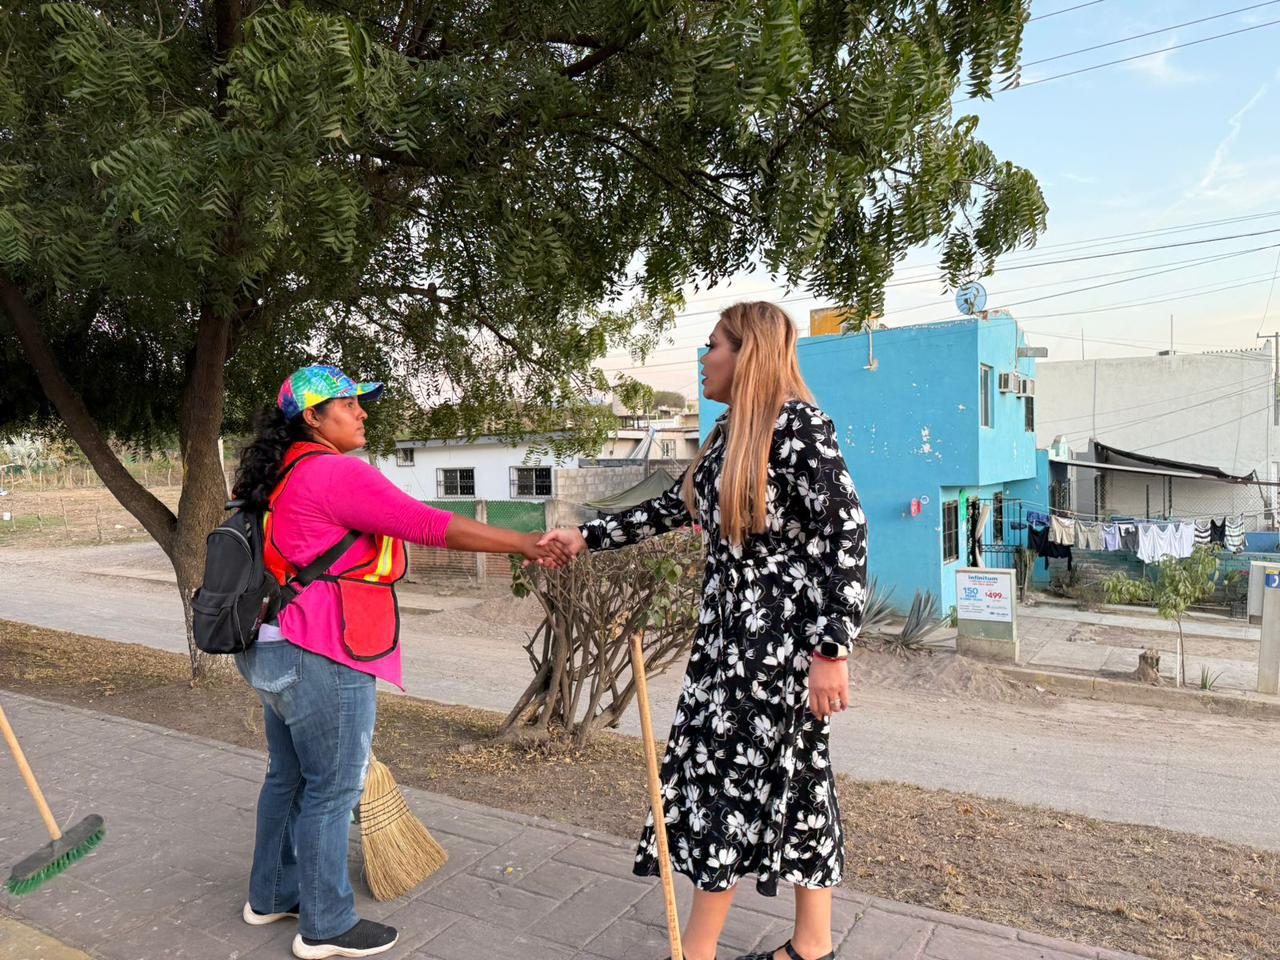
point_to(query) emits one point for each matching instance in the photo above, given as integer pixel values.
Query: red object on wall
(915, 508)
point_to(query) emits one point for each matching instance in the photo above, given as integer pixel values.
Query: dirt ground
(1163, 894)
(71, 517)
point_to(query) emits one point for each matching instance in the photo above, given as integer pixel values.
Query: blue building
(937, 425)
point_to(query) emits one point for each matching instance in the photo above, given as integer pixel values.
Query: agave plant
(876, 611)
(922, 620)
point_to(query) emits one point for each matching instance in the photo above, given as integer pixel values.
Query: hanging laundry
(1185, 539)
(1062, 530)
(1157, 541)
(1218, 532)
(1088, 535)
(1039, 540)
(1111, 536)
(1129, 537)
(1233, 538)
(1035, 518)
(1203, 533)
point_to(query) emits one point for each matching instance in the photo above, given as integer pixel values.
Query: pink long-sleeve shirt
(323, 499)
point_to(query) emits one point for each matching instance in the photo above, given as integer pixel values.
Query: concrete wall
(583, 484)
(910, 429)
(1206, 408)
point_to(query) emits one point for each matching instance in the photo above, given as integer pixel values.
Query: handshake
(553, 549)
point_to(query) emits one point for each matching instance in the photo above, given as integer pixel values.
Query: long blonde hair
(766, 375)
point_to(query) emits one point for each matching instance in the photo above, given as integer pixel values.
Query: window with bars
(997, 518)
(1029, 412)
(668, 449)
(455, 482)
(987, 398)
(404, 456)
(531, 481)
(950, 531)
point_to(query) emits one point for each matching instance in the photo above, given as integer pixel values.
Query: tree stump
(1149, 667)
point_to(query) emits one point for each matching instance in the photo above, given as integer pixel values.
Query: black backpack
(239, 594)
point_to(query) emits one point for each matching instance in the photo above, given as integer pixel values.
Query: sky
(1186, 136)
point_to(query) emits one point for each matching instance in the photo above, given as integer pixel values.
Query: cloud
(1160, 68)
(1221, 173)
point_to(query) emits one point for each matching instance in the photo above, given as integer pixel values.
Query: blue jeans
(319, 722)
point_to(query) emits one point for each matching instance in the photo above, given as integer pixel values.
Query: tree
(581, 651)
(472, 201)
(670, 399)
(1181, 583)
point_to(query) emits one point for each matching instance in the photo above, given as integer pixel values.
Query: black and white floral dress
(747, 780)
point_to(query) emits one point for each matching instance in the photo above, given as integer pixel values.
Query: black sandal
(791, 952)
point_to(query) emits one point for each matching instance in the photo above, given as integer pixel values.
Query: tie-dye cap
(307, 386)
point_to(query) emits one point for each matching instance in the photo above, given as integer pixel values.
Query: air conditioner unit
(1008, 382)
(1026, 387)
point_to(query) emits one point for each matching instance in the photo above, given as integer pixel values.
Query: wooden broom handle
(655, 796)
(20, 758)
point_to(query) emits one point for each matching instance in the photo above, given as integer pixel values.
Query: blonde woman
(747, 779)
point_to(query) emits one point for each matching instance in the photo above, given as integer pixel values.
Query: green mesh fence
(463, 508)
(523, 515)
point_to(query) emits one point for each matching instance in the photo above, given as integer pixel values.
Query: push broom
(63, 849)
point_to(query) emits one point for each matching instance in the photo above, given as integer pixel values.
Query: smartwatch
(830, 650)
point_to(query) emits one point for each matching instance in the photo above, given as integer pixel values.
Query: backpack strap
(294, 586)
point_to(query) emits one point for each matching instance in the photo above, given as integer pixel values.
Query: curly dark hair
(260, 463)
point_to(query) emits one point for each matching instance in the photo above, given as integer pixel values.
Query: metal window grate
(531, 482)
(950, 531)
(455, 482)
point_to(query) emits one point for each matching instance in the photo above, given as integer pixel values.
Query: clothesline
(1063, 511)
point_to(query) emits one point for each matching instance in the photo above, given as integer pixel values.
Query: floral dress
(746, 780)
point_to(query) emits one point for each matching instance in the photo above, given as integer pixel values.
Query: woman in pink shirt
(315, 670)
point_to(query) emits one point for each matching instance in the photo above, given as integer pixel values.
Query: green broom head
(55, 856)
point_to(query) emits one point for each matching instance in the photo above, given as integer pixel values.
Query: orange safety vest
(366, 589)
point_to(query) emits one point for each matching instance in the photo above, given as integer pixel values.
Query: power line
(1140, 56)
(1078, 6)
(1130, 305)
(1262, 379)
(1271, 291)
(1196, 433)
(1151, 418)
(1150, 33)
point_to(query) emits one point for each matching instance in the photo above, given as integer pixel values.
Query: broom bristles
(399, 853)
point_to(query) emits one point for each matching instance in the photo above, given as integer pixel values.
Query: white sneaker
(262, 919)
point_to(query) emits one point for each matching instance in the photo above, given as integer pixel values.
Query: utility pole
(1275, 374)
(1081, 343)
(1171, 334)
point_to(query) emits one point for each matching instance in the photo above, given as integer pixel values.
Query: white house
(1200, 424)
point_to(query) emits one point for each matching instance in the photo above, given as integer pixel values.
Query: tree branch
(157, 519)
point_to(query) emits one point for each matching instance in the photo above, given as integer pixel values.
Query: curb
(1251, 705)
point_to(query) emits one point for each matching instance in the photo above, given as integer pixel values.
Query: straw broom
(399, 853)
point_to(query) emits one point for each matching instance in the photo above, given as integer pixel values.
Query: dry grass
(1166, 895)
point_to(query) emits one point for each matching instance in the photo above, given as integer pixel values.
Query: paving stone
(170, 878)
(472, 939)
(584, 915)
(951, 943)
(887, 936)
(559, 880)
(515, 859)
(496, 903)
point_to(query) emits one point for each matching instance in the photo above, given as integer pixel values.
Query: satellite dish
(971, 299)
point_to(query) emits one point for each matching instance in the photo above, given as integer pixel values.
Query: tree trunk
(1148, 667)
(204, 489)
(204, 486)
(1180, 676)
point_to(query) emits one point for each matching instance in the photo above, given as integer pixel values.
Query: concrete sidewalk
(169, 879)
